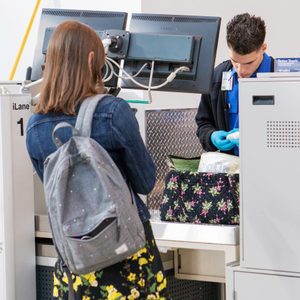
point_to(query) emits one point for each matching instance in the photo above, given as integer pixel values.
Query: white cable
(150, 81)
(136, 74)
(169, 79)
(106, 72)
(111, 71)
(106, 43)
(140, 70)
(111, 68)
(26, 86)
(151, 74)
(107, 59)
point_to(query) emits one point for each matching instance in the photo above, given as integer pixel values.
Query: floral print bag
(196, 197)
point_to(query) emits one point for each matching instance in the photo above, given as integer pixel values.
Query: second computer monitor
(173, 41)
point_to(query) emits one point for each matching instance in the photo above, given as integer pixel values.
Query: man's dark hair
(245, 33)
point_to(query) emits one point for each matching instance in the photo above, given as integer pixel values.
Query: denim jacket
(115, 128)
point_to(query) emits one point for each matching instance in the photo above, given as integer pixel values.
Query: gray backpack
(92, 212)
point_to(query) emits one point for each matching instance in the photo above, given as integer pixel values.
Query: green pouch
(183, 163)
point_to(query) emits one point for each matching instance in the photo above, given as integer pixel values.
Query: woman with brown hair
(75, 57)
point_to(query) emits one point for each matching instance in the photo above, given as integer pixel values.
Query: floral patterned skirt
(196, 197)
(140, 276)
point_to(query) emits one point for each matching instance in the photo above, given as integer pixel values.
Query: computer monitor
(50, 18)
(189, 41)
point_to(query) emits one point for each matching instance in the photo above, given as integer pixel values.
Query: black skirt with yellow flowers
(141, 276)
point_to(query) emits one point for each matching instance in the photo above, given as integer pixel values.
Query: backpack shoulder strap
(86, 113)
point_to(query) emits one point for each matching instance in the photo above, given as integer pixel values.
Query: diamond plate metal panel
(169, 132)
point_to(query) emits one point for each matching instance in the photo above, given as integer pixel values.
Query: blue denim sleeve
(32, 149)
(138, 163)
(37, 168)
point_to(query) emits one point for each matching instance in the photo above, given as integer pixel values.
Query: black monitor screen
(98, 20)
(192, 40)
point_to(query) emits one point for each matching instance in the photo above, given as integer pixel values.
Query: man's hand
(234, 136)
(218, 138)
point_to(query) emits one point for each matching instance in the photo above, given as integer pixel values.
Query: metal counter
(195, 233)
(201, 252)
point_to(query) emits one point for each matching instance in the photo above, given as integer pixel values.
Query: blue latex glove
(236, 142)
(218, 138)
(233, 130)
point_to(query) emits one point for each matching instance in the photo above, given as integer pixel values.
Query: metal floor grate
(44, 282)
(169, 132)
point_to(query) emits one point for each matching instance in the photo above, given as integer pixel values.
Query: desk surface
(196, 233)
(173, 232)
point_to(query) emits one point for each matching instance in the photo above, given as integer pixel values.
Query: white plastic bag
(217, 162)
